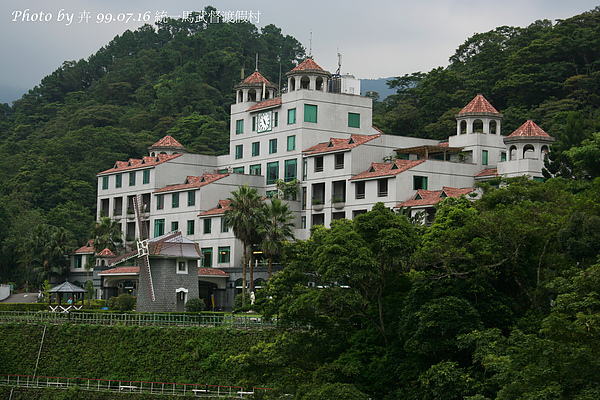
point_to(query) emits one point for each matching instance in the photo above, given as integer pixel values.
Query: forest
(496, 299)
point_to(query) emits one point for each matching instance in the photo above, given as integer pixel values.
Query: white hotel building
(319, 132)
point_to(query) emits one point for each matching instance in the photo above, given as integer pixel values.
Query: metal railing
(150, 388)
(153, 319)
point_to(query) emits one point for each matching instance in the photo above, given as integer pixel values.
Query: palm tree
(107, 234)
(277, 228)
(243, 216)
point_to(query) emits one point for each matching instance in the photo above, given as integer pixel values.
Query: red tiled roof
(479, 105)
(167, 141)
(136, 270)
(266, 103)
(192, 182)
(212, 272)
(487, 172)
(219, 209)
(308, 63)
(106, 253)
(121, 270)
(144, 162)
(377, 129)
(529, 128)
(377, 170)
(443, 144)
(88, 248)
(336, 144)
(431, 197)
(256, 77)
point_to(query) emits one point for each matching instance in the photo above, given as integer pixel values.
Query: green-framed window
(174, 226)
(239, 126)
(310, 113)
(239, 151)
(255, 169)
(484, 157)
(290, 170)
(353, 120)
(291, 116)
(160, 201)
(224, 254)
(291, 143)
(207, 225)
(175, 200)
(272, 146)
(238, 170)
(224, 227)
(191, 226)
(132, 178)
(146, 176)
(118, 180)
(275, 119)
(207, 260)
(255, 149)
(159, 227)
(191, 198)
(253, 123)
(419, 182)
(272, 172)
(104, 182)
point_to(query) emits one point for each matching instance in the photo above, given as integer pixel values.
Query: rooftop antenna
(339, 62)
(310, 45)
(256, 69)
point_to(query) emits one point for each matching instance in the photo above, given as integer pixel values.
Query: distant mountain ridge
(377, 85)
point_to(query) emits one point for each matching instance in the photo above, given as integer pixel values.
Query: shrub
(194, 305)
(124, 302)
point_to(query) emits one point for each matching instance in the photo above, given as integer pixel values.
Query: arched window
(240, 96)
(259, 284)
(305, 82)
(478, 126)
(545, 151)
(251, 95)
(319, 84)
(292, 84)
(493, 127)
(463, 127)
(513, 152)
(528, 151)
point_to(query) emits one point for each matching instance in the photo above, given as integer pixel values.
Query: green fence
(159, 319)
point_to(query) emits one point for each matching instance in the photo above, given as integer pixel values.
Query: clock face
(264, 122)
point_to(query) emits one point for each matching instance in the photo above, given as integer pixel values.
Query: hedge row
(153, 354)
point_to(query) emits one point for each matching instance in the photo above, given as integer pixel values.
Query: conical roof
(529, 129)
(307, 64)
(479, 105)
(66, 287)
(256, 77)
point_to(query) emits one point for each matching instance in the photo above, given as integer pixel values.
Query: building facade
(318, 132)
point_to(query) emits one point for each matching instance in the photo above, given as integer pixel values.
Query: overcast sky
(377, 39)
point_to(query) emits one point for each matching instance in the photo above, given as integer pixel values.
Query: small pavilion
(69, 288)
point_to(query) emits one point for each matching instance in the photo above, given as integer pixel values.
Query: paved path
(30, 297)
